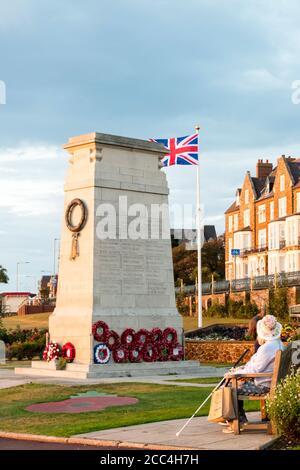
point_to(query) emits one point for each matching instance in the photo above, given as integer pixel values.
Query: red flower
(135, 354)
(163, 351)
(156, 335)
(150, 353)
(170, 336)
(112, 340)
(120, 354)
(127, 337)
(176, 352)
(51, 352)
(100, 331)
(68, 352)
(141, 337)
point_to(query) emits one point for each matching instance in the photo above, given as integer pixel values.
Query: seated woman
(268, 336)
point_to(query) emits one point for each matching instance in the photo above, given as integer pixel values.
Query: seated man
(268, 336)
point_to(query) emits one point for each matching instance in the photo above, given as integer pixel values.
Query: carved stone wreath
(75, 229)
(69, 211)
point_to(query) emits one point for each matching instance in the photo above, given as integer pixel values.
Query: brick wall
(217, 351)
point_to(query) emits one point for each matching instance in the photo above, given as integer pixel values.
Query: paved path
(9, 379)
(199, 434)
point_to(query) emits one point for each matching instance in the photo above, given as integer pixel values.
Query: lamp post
(54, 255)
(17, 279)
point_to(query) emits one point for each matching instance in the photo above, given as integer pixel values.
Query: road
(14, 444)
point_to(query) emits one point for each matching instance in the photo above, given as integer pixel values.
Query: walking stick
(216, 388)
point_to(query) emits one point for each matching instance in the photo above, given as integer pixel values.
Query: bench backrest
(282, 366)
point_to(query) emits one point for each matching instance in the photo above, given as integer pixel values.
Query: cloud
(131, 68)
(27, 152)
(30, 186)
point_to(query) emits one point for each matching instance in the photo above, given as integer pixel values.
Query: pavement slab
(199, 434)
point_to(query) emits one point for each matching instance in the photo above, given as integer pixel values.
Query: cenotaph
(115, 255)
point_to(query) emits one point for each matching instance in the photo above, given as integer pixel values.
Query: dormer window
(282, 182)
(246, 196)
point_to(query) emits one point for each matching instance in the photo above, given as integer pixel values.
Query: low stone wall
(217, 351)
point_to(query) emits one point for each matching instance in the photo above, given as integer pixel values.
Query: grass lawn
(190, 323)
(39, 320)
(200, 380)
(156, 403)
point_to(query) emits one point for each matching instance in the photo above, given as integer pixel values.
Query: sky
(138, 68)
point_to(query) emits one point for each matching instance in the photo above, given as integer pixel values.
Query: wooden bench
(282, 367)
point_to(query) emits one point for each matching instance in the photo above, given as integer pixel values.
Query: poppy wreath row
(148, 353)
(131, 346)
(53, 351)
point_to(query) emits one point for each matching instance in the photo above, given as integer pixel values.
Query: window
(282, 182)
(246, 196)
(262, 238)
(230, 223)
(298, 202)
(236, 221)
(246, 217)
(282, 207)
(230, 248)
(272, 210)
(262, 213)
(272, 235)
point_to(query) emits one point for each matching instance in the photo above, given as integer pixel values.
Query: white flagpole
(199, 238)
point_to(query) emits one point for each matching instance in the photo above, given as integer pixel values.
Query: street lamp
(17, 279)
(54, 255)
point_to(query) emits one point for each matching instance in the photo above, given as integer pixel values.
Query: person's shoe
(230, 430)
(223, 423)
(244, 421)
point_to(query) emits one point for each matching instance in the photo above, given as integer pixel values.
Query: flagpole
(199, 239)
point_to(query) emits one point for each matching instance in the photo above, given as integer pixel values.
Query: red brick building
(264, 221)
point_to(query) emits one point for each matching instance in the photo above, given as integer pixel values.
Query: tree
(3, 275)
(213, 261)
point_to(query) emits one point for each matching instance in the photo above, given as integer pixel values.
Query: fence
(247, 284)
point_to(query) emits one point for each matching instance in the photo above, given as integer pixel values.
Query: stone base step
(93, 371)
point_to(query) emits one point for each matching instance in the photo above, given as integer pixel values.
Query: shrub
(278, 303)
(19, 335)
(26, 350)
(216, 310)
(248, 310)
(284, 407)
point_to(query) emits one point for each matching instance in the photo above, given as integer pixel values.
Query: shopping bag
(221, 406)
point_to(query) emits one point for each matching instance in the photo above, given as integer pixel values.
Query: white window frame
(282, 207)
(272, 210)
(230, 223)
(236, 222)
(262, 213)
(246, 196)
(282, 182)
(262, 238)
(298, 202)
(246, 216)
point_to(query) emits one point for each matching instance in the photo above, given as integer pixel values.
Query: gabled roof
(232, 208)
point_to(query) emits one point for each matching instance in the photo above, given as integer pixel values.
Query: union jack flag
(183, 150)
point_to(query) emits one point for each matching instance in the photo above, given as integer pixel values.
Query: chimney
(263, 169)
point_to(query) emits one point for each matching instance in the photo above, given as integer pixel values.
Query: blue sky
(140, 68)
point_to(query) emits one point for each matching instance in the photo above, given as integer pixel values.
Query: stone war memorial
(115, 313)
